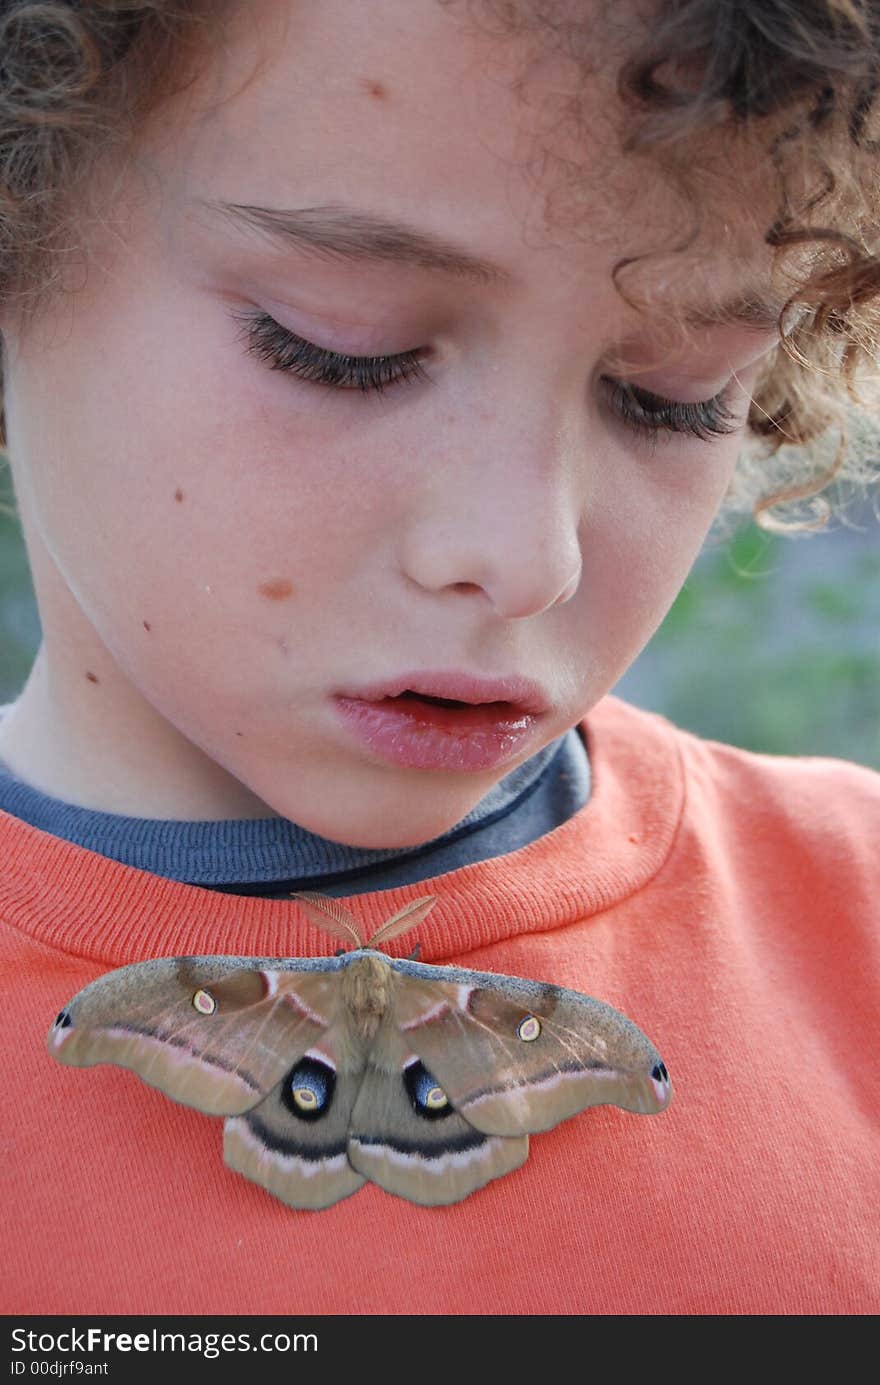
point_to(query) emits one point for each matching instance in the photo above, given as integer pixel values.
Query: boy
(343, 414)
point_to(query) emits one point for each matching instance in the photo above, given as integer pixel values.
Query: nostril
(659, 1073)
(63, 1020)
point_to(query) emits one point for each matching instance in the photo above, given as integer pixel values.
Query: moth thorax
(366, 984)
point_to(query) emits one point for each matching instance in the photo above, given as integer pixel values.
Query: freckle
(91, 677)
(178, 494)
(239, 733)
(375, 89)
(278, 590)
(147, 625)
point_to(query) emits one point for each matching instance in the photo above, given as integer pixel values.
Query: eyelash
(649, 414)
(646, 413)
(284, 350)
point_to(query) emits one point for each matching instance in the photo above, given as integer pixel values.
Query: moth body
(366, 991)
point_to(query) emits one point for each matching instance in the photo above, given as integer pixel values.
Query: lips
(415, 733)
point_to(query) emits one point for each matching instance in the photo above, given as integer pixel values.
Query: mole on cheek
(277, 590)
(147, 625)
(374, 89)
(91, 677)
(178, 494)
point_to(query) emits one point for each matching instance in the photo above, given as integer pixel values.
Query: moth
(335, 1071)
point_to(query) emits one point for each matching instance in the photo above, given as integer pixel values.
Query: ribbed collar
(83, 903)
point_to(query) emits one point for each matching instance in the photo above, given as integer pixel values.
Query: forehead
(503, 142)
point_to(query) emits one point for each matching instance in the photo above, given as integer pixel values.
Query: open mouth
(434, 701)
(444, 701)
(449, 712)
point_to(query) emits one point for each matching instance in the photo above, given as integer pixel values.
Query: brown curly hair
(797, 78)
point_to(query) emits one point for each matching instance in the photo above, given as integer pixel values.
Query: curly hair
(797, 78)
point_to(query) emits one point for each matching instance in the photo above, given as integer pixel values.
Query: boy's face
(224, 546)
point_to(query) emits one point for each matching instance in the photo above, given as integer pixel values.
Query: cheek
(645, 526)
(179, 481)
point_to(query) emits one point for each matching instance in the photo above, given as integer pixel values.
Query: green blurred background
(773, 644)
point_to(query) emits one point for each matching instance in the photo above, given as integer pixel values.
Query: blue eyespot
(427, 1096)
(307, 1090)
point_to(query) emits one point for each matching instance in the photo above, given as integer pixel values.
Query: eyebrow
(350, 235)
(347, 234)
(747, 308)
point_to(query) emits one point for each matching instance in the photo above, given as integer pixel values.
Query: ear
(517, 1057)
(216, 1033)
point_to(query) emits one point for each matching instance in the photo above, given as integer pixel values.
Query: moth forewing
(214, 1033)
(517, 1056)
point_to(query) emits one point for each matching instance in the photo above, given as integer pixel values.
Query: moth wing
(216, 1033)
(295, 1142)
(517, 1056)
(406, 1137)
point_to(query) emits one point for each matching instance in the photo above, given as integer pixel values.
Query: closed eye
(284, 350)
(645, 413)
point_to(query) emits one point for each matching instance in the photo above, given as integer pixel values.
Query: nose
(501, 517)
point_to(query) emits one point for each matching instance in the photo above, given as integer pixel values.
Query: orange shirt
(725, 901)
